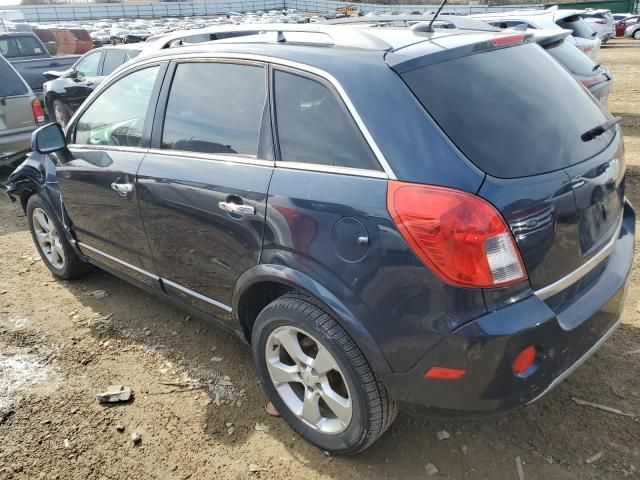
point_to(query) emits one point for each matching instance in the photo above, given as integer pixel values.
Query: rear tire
(52, 245)
(636, 34)
(319, 371)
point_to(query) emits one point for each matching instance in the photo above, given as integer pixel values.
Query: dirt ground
(63, 342)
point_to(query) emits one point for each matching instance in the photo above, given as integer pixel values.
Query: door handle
(237, 208)
(122, 189)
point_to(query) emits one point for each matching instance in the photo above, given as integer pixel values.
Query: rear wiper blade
(600, 129)
(596, 67)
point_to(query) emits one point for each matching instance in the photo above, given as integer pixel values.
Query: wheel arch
(261, 284)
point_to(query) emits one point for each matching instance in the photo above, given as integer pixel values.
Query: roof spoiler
(547, 37)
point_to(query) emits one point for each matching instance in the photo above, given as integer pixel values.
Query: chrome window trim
(82, 146)
(580, 361)
(177, 56)
(117, 260)
(221, 157)
(197, 295)
(314, 167)
(573, 277)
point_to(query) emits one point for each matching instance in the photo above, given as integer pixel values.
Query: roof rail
(344, 37)
(453, 21)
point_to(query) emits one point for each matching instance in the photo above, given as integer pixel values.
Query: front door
(97, 176)
(203, 186)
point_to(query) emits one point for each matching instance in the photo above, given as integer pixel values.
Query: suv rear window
(514, 112)
(578, 26)
(11, 84)
(572, 58)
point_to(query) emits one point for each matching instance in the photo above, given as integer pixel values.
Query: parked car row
(296, 206)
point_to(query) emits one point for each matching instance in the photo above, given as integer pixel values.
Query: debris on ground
(119, 428)
(136, 439)
(519, 468)
(430, 469)
(443, 435)
(256, 468)
(602, 407)
(594, 458)
(97, 293)
(115, 394)
(261, 427)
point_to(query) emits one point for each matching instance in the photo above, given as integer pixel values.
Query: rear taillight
(597, 80)
(36, 108)
(505, 40)
(585, 48)
(459, 236)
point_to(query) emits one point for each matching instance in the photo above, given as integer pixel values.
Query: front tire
(317, 378)
(52, 245)
(636, 34)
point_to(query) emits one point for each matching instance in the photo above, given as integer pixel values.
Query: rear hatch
(519, 116)
(15, 101)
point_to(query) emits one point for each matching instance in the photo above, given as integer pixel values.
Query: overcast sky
(4, 3)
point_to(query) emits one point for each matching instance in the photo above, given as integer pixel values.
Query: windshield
(514, 112)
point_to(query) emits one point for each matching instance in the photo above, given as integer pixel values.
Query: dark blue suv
(387, 215)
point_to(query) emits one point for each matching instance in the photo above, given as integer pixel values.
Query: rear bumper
(14, 146)
(565, 329)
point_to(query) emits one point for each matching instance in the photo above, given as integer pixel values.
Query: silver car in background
(20, 114)
(582, 36)
(602, 22)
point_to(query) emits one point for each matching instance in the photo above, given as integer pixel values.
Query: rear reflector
(459, 236)
(524, 360)
(444, 373)
(585, 48)
(36, 108)
(597, 80)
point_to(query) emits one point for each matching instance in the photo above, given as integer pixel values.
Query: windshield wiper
(600, 129)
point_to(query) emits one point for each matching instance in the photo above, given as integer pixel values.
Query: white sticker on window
(37, 50)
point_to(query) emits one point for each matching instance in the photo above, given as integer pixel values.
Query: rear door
(522, 125)
(203, 186)
(107, 143)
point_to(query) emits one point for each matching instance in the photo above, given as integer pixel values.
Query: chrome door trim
(213, 55)
(117, 260)
(221, 157)
(81, 146)
(314, 167)
(573, 277)
(197, 295)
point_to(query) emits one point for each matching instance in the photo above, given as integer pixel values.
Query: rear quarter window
(11, 84)
(514, 112)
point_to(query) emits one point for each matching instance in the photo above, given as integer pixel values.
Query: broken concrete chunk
(115, 394)
(136, 439)
(97, 293)
(430, 469)
(443, 435)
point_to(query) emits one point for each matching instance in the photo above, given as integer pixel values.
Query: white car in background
(602, 22)
(582, 36)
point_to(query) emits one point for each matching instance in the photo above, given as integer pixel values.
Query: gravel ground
(198, 408)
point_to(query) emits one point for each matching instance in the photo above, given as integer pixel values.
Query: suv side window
(117, 115)
(112, 60)
(88, 66)
(315, 127)
(215, 108)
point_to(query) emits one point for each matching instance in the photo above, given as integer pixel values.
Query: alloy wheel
(48, 238)
(308, 379)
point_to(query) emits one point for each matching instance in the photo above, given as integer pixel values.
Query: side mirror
(72, 74)
(48, 139)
